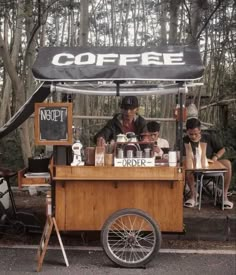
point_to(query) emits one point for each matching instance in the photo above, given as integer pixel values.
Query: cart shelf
(117, 173)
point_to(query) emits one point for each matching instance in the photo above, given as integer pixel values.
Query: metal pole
(181, 128)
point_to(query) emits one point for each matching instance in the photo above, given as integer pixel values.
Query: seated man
(214, 151)
(153, 129)
(126, 121)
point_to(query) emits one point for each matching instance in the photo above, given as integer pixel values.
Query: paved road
(20, 260)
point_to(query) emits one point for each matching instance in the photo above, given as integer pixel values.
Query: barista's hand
(112, 142)
(157, 149)
(215, 158)
(101, 142)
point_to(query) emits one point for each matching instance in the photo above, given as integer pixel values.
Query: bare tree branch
(208, 19)
(217, 103)
(36, 28)
(189, 16)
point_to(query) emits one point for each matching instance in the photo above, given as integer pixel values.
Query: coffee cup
(172, 158)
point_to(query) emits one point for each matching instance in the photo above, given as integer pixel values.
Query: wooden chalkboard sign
(53, 123)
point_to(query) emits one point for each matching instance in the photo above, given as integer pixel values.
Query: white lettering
(173, 58)
(56, 59)
(42, 115)
(106, 58)
(146, 59)
(52, 115)
(151, 58)
(58, 115)
(124, 58)
(134, 162)
(90, 59)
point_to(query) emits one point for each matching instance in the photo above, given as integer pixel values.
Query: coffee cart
(130, 205)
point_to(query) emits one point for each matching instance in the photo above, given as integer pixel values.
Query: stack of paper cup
(172, 158)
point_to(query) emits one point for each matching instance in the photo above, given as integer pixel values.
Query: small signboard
(134, 162)
(53, 123)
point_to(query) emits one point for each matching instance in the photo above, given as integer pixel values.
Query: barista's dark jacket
(114, 127)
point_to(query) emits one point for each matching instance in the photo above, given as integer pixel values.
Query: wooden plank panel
(37, 181)
(60, 201)
(118, 173)
(80, 203)
(89, 203)
(168, 206)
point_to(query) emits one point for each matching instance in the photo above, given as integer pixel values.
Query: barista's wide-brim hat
(129, 102)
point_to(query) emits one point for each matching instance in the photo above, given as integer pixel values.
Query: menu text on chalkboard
(53, 123)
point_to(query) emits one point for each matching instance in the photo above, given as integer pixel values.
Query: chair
(217, 176)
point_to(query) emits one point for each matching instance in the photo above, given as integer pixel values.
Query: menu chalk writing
(53, 123)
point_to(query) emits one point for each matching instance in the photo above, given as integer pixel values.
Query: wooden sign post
(50, 223)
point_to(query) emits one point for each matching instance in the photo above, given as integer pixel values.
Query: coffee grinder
(77, 149)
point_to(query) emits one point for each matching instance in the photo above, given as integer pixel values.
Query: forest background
(26, 25)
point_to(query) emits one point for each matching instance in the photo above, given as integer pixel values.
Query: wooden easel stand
(50, 223)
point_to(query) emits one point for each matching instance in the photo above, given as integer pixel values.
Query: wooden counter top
(215, 166)
(117, 173)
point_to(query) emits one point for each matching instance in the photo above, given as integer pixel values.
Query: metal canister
(147, 152)
(120, 153)
(139, 154)
(129, 154)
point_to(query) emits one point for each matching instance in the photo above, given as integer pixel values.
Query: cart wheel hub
(131, 240)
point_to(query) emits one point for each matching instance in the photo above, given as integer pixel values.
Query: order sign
(134, 162)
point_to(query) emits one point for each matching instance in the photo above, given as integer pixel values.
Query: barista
(128, 120)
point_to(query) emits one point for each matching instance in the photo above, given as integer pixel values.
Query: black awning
(118, 64)
(170, 63)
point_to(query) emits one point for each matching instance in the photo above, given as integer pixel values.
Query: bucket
(38, 165)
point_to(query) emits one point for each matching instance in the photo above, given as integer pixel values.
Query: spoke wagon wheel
(130, 238)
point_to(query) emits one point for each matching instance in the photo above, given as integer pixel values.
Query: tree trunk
(84, 23)
(168, 101)
(7, 92)
(82, 101)
(18, 87)
(196, 11)
(163, 20)
(174, 11)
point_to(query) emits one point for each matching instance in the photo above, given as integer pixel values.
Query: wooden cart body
(85, 196)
